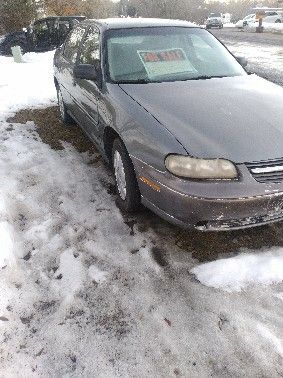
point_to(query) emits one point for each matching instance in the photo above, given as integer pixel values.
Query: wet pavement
(263, 51)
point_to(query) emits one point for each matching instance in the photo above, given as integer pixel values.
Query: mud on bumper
(209, 215)
(194, 205)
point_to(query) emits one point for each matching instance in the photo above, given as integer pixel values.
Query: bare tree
(194, 10)
(16, 14)
(89, 8)
(181, 9)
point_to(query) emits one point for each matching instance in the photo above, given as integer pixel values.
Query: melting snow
(18, 91)
(96, 274)
(237, 273)
(6, 243)
(274, 341)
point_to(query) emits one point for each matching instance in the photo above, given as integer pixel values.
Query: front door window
(72, 44)
(90, 51)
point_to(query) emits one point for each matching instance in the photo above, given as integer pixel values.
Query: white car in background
(249, 19)
(273, 17)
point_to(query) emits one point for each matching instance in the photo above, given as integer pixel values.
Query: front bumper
(210, 205)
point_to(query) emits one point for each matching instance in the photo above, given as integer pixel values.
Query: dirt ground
(204, 246)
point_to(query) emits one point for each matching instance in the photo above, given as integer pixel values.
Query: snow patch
(70, 275)
(272, 339)
(26, 85)
(279, 296)
(270, 27)
(96, 274)
(6, 244)
(237, 273)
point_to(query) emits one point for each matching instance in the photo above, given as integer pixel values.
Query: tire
(66, 118)
(128, 194)
(278, 21)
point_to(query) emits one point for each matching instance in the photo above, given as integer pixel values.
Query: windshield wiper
(146, 81)
(138, 81)
(205, 77)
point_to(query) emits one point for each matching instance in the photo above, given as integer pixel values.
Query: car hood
(237, 118)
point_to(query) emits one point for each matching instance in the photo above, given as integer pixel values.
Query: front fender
(144, 137)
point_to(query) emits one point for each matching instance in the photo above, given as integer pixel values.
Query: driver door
(88, 91)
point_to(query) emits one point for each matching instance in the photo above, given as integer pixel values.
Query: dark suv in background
(42, 35)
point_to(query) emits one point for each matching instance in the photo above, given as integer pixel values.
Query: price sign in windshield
(165, 62)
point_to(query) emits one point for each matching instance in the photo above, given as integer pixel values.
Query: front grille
(267, 171)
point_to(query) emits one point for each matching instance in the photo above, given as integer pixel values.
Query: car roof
(127, 23)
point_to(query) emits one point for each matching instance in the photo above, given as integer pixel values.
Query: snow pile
(270, 27)
(26, 85)
(239, 272)
(273, 27)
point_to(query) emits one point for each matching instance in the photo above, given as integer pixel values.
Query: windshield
(157, 54)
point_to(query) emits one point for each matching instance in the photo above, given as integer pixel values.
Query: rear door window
(72, 44)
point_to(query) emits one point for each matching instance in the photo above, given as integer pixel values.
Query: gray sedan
(189, 133)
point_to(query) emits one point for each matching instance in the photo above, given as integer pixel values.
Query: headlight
(214, 169)
(2, 39)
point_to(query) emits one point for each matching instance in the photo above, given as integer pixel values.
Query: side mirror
(85, 71)
(242, 60)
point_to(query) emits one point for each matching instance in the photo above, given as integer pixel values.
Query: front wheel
(129, 197)
(278, 21)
